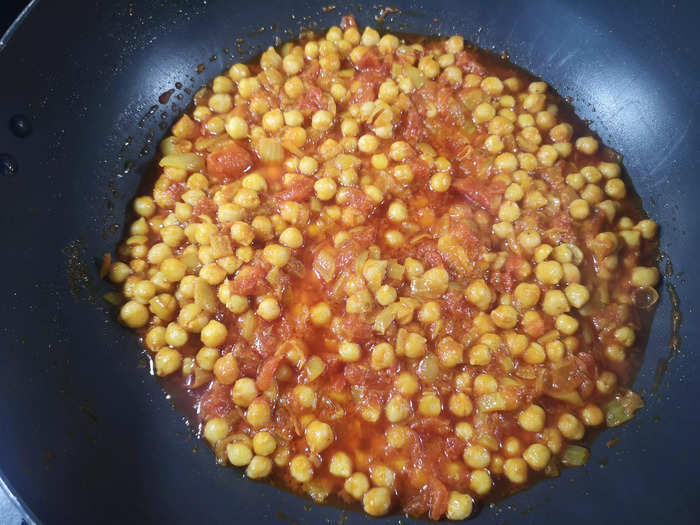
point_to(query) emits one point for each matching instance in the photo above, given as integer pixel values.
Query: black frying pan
(87, 436)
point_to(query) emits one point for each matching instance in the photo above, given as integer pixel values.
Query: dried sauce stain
(381, 17)
(165, 96)
(77, 268)
(151, 111)
(674, 341)
(610, 443)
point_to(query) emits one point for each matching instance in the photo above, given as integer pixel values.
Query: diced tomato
(357, 326)
(216, 402)
(300, 190)
(470, 61)
(268, 371)
(368, 82)
(438, 498)
(312, 100)
(488, 196)
(427, 251)
(229, 162)
(412, 126)
(371, 61)
(248, 360)
(357, 199)
(205, 206)
(250, 280)
(176, 189)
(347, 22)
(311, 72)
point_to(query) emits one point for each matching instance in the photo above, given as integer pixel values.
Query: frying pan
(88, 436)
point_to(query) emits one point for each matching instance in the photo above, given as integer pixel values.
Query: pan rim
(7, 35)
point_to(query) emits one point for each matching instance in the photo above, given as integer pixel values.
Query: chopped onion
(185, 161)
(645, 297)
(204, 295)
(106, 264)
(269, 150)
(575, 456)
(113, 298)
(622, 409)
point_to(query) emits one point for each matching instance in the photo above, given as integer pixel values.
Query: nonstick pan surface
(88, 436)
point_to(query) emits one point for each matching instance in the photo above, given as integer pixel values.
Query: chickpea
(357, 485)
(406, 384)
(459, 506)
(383, 476)
(492, 86)
(587, 145)
(537, 456)
(325, 188)
(504, 316)
(526, 295)
(244, 391)
(460, 404)
(259, 467)
(532, 418)
(155, 338)
(239, 454)
(349, 352)
(376, 501)
(440, 182)
(258, 413)
(269, 309)
(429, 404)
(570, 427)
(133, 314)
(480, 482)
(216, 429)
(515, 470)
(549, 272)
(592, 415)
(319, 436)
(167, 361)
(644, 276)
(226, 369)
(291, 238)
(606, 382)
(301, 469)
(479, 294)
(264, 443)
(382, 356)
(506, 162)
(213, 334)
(484, 112)
(476, 456)
(555, 303)
(322, 120)
(397, 409)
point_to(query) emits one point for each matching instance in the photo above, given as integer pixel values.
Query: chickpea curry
(392, 271)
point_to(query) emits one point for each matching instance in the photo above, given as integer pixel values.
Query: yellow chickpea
(301, 469)
(239, 454)
(570, 427)
(167, 361)
(377, 501)
(532, 418)
(459, 506)
(259, 467)
(319, 436)
(216, 429)
(537, 456)
(133, 314)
